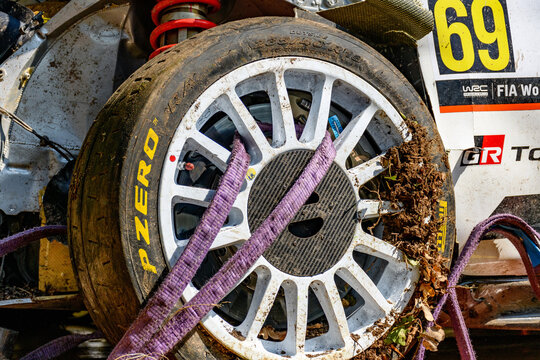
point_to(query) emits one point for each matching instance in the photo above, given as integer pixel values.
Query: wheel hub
(320, 233)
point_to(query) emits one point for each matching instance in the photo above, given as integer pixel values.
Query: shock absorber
(176, 20)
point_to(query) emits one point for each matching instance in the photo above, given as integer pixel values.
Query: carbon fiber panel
(321, 231)
(389, 21)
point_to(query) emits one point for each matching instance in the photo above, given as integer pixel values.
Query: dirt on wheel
(414, 185)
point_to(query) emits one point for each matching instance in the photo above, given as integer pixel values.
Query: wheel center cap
(322, 230)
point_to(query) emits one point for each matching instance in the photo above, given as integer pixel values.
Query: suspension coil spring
(177, 20)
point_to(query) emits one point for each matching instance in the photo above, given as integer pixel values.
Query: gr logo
(487, 151)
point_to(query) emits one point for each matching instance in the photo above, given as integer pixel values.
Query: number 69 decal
(472, 36)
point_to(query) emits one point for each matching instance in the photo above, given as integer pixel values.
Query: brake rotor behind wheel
(326, 281)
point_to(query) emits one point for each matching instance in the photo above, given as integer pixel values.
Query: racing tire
(116, 218)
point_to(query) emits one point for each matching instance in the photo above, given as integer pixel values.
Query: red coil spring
(161, 29)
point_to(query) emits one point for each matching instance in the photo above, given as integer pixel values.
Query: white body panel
(489, 103)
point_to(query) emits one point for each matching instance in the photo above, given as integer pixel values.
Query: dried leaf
(433, 337)
(431, 345)
(436, 332)
(277, 335)
(427, 290)
(427, 312)
(412, 261)
(269, 332)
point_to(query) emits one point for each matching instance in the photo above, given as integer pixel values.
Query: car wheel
(281, 83)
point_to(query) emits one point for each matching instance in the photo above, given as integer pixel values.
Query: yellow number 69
(445, 32)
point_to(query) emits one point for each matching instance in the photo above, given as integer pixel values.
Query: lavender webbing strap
(59, 346)
(233, 270)
(14, 242)
(65, 343)
(462, 335)
(171, 289)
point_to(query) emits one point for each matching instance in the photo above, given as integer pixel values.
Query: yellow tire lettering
(144, 169)
(441, 235)
(150, 145)
(140, 200)
(445, 32)
(499, 35)
(142, 172)
(145, 261)
(142, 230)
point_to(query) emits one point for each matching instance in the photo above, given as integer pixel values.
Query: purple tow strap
(232, 271)
(14, 242)
(59, 346)
(465, 347)
(149, 335)
(65, 343)
(170, 290)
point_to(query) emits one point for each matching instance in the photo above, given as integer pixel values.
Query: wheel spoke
(356, 277)
(317, 121)
(246, 125)
(191, 195)
(231, 235)
(264, 296)
(372, 209)
(283, 130)
(241, 202)
(210, 149)
(366, 171)
(352, 133)
(181, 244)
(296, 298)
(330, 300)
(372, 245)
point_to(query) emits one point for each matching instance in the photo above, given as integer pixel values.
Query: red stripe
(493, 107)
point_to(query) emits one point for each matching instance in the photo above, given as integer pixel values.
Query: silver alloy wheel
(349, 330)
